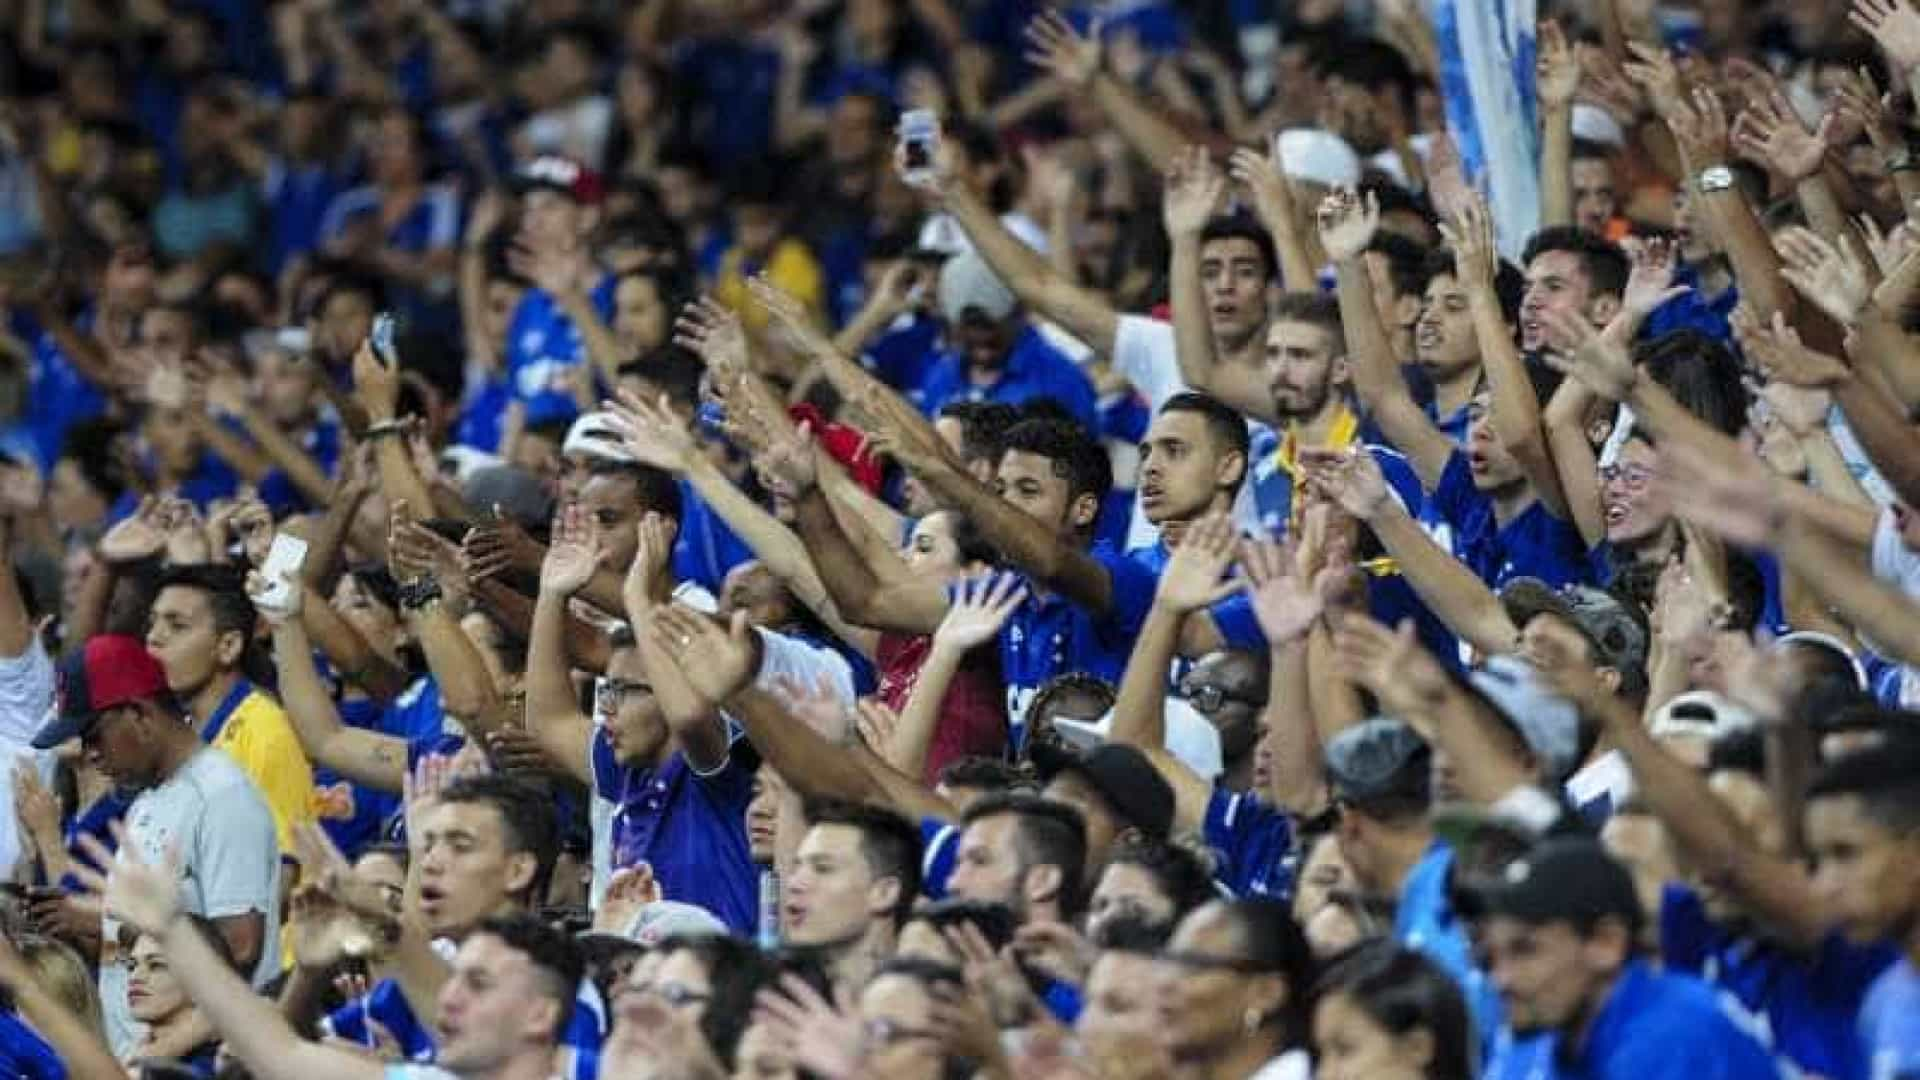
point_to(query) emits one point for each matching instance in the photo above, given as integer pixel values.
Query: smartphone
(282, 568)
(919, 138)
(385, 327)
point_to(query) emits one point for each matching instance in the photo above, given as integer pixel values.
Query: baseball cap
(1701, 713)
(595, 435)
(562, 174)
(110, 670)
(1318, 156)
(1617, 634)
(1379, 758)
(1594, 124)
(940, 238)
(968, 284)
(520, 495)
(1131, 785)
(1547, 722)
(663, 919)
(1564, 878)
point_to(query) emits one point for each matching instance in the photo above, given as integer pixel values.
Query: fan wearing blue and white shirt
(547, 352)
(1494, 500)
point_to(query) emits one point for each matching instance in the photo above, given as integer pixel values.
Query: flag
(1487, 57)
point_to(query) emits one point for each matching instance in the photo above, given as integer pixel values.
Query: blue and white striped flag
(1486, 79)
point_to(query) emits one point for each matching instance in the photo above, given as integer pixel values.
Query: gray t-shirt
(210, 812)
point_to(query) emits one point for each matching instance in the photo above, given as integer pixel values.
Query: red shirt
(973, 718)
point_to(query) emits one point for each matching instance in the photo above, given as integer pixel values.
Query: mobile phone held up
(385, 329)
(919, 138)
(281, 569)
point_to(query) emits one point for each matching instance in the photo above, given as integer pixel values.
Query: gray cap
(967, 284)
(1379, 758)
(1619, 639)
(520, 495)
(1547, 722)
(663, 919)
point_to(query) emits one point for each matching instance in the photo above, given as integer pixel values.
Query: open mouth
(1615, 513)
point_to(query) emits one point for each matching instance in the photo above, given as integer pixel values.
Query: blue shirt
(297, 196)
(1807, 1002)
(1534, 544)
(1050, 635)
(545, 350)
(939, 850)
(1693, 311)
(1664, 1027)
(322, 443)
(706, 548)
(61, 396)
(1033, 369)
(1425, 920)
(25, 1054)
(1890, 1023)
(691, 828)
(1252, 841)
(896, 355)
(385, 1005)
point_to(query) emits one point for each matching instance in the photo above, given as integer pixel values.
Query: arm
(980, 610)
(1516, 411)
(553, 715)
(818, 768)
(84, 1054)
(1193, 188)
(281, 450)
(1877, 610)
(16, 628)
(910, 606)
(1346, 228)
(1892, 444)
(364, 757)
(1703, 136)
(1556, 79)
(348, 651)
(1265, 178)
(1076, 61)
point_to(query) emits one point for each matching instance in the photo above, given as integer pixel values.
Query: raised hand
(1476, 257)
(630, 889)
(787, 465)
(1264, 176)
(713, 333)
(375, 386)
(1894, 26)
(652, 431)
(1557, 70)
(1700, 127)
(815, 1034)
(1054, 46)
(1347, 223)
(1650, 284)
(1598, 360)
(1768, 133)
(1447, 177)
(1390, 664)
(1652, 70)
(1738, 502)
(1858, 106)
(1194, 187)
(276, 610)
(137, 537)
(650, 558)
(136, 892)
(573, 556)
(716, 662)
(1285, 604)
(980, 607)
(876, 724)
(1192, 578)
(1778, 351)
(499, 543)
(792, 316)
(817, 706)
(1827, 274)
(1350, 478)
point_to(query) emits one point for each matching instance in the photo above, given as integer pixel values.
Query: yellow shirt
(254, 731)
(791, 267)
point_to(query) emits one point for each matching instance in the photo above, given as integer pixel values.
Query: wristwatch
(418, 593)
(1715, 178)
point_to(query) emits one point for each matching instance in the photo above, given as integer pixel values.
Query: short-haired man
(1023, 851)
(546, 347)
(193, 800)
(499, 1015)
(1560, 929)
(1863, 831)
(850, 886)
(997, 354)
(1570, 270)
(201, 630)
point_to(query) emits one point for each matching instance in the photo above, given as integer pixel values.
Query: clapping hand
(574, 555)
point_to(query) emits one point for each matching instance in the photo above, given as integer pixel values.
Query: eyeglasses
(613, 692)
(886, 1033)
(1634, 477)
(1209, 698)
(676, 995)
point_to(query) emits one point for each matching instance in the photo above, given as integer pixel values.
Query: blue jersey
(706, 548)
(24, 1054)
(386, 1006)
(1049, 635)
(546, 353)
(61, 396)
(1807, 1003)
(1534, 544)
(897, 355)
(1033, 369)
(1425, 920)
(1890, 1023)
(939, 850)
(690, 827)
(1655, 1026)
(1252, 842)
(321, 443)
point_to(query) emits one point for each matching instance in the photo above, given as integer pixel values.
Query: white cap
(1190, 737)
(1594, 124)
(461, 462)
(663, 919)
(1701, 713)
(967, 283)
(596, 435)
(1318, 156)
(941, 233)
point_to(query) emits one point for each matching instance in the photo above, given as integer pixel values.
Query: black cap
(1131, 785)
(1564, 879)
(1377, 759)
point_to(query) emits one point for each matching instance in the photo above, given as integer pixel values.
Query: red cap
(112, 669)
(564, 175)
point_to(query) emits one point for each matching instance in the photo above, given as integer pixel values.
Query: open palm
(571, 560)
(981, 606)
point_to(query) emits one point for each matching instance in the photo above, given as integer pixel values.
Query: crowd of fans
(547, 542)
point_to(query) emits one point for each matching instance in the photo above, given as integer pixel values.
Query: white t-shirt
(210, 812)
(26, 697)
(1899, 565)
